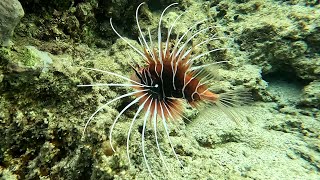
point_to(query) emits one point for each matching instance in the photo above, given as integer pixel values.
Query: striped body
(171, 79)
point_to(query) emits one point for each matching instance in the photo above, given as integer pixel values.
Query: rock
(311, 95)
(44, 60)
(11, 12)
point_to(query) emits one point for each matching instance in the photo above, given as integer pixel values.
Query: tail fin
(230, 103)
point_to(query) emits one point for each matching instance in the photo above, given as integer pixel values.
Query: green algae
(277, 137)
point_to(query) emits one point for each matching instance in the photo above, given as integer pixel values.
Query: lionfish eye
(155, 91)
(155, 88)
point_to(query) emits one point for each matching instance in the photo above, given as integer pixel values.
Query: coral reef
(275, 54)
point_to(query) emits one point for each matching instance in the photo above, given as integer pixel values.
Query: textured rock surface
(11, 12)
(80, 21)
(275, 54)
(311, 95)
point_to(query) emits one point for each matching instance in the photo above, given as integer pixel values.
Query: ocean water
(56, 124)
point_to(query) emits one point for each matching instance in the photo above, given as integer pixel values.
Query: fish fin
(231, 103)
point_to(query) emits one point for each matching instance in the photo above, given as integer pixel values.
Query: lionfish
(166, 82)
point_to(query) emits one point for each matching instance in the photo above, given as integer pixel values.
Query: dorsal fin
(203, 74)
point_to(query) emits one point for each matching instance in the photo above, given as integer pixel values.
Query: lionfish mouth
(167, 80)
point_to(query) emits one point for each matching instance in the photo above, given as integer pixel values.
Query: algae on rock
(42, 111)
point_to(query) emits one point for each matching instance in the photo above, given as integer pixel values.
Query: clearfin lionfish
(166, 81)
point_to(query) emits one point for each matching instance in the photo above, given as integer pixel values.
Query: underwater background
(45, 45)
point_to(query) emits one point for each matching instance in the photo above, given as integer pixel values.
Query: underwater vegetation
(268, 47)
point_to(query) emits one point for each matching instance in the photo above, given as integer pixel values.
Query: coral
(32, 94)
(274, 53)
(284, 42)
(59, 20)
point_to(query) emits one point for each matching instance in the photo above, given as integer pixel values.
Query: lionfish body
(166, 81)
(169, 80)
